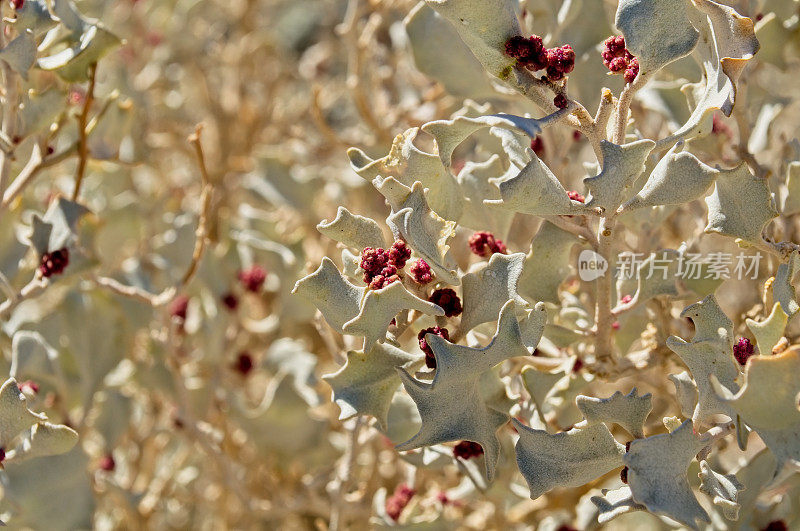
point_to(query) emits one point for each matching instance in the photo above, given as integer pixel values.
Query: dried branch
(83, 142)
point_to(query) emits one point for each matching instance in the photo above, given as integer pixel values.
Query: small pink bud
(253, 278)
(107, 463)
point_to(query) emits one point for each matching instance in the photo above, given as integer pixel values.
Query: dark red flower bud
(467, 450)
(107, 463)
(560, 101)
(632, 71)
(537, 145)
(54, 262)
(447, 299)
(743, 350)
(485, 244)
(243, 364)
(776, 525)
(529, 52)
(230, 301)
(253, 278)
(399, 254)
(430, 359)
(421, 272)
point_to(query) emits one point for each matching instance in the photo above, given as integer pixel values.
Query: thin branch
(9, 125)
(581, 231)
(624, 104)
(83, 142)
(201, 236)
(30, 290)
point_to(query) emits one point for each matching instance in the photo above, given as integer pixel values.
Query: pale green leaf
(535, 190)
(487, 288)
(657, 474)
(546, 264)
(426, 233)
(334, 295)
(366, 384)
(15, 416)
(352, 230)
(621, 166)
(566, 459)
(484, 27)
(441, 54)
(656, 31)
(782, 289)
(740, 206)
(20, 53)
(679, 177)
(723, 489)
(629, 411)
(380, 306)
(769, 331)
(456, 363)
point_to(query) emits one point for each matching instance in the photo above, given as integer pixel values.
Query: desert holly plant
(541, 307)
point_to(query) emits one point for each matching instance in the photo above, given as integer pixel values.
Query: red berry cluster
(430, 359)
(560, 62)
(575, 196)
(253, 278)
(54, 262)
(485, 244)
(467, 450)
(617, 58)
(531, 54)
(398, 501)
(381, 266)
(399, 254)
(626, 299)
(743, 350)
(447, 300)
(421, 272)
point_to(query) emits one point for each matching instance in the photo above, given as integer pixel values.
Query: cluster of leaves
(558, 338)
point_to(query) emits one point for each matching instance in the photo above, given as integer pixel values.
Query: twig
(603, 317)
(624, 104)
(346, 476)
(83, 142)
(31, 289)
(201, 235)
(9, 125)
